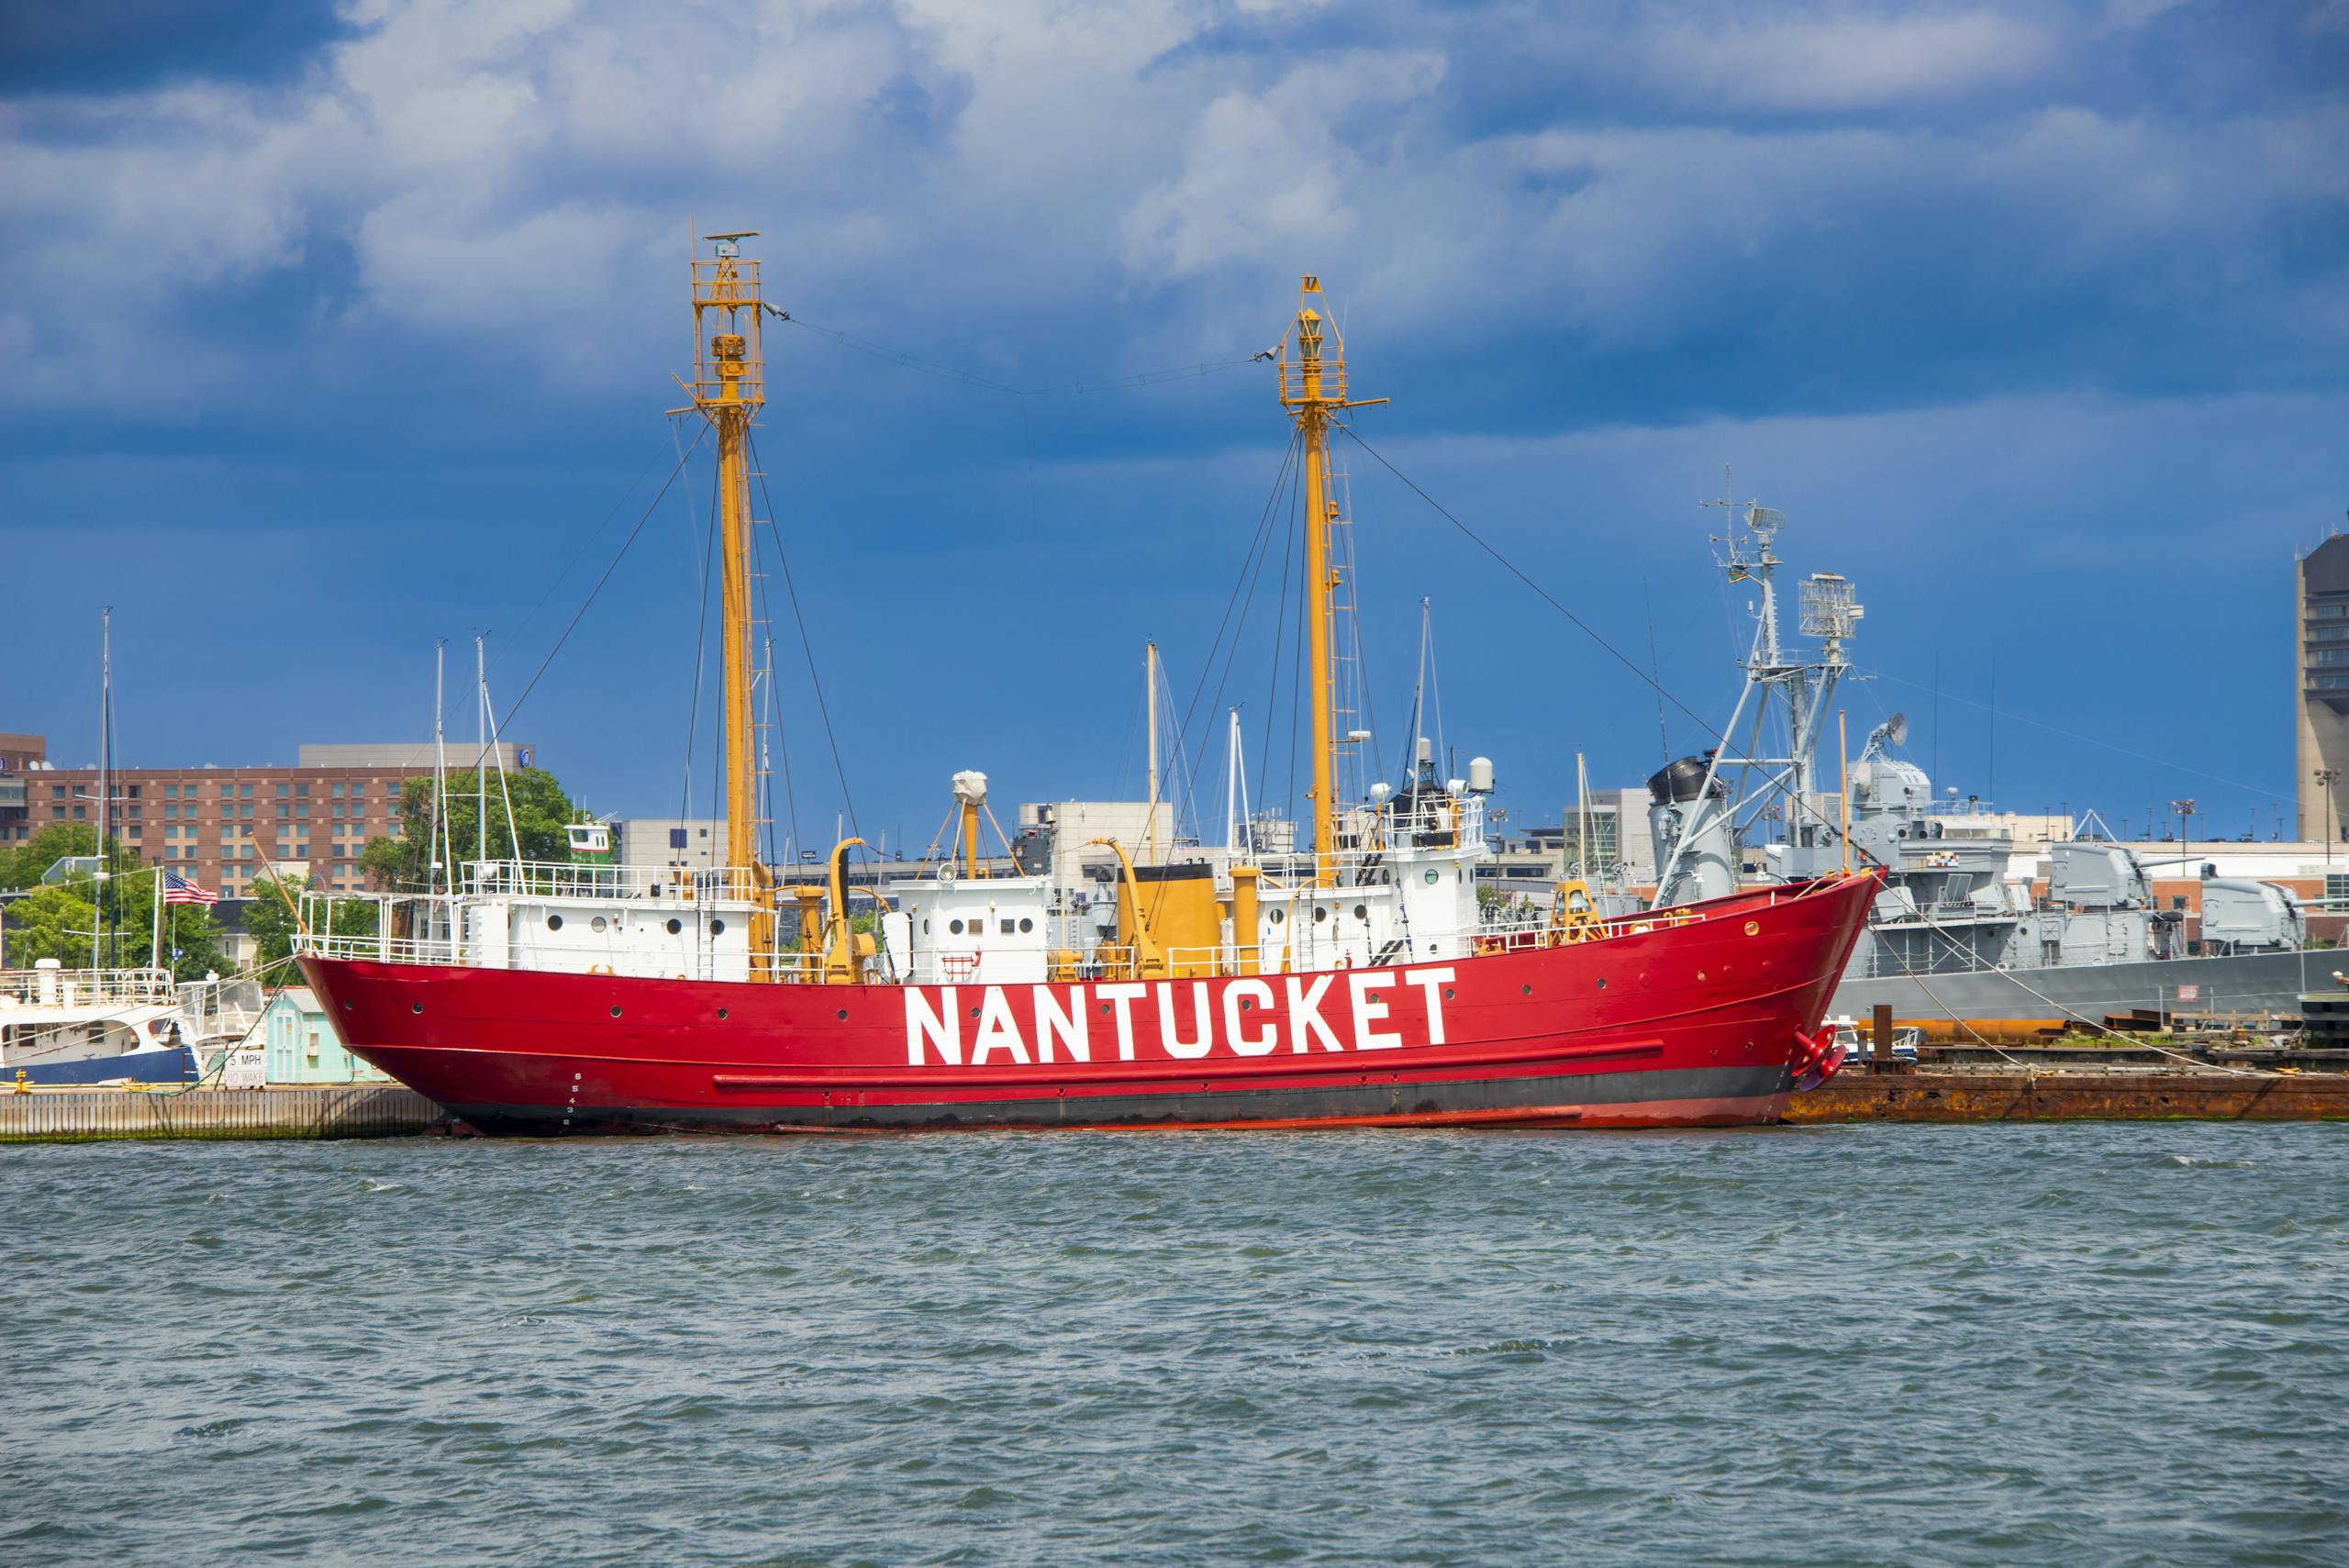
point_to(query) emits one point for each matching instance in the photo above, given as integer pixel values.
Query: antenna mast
(729, 389)
(1317, 393)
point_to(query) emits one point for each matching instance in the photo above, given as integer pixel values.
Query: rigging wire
(589, 539)
(701, 652)
(807, 646)
(1259, 553)
(576, 616)
(1543, 594)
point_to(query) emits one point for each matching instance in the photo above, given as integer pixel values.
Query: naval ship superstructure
(1956, 931)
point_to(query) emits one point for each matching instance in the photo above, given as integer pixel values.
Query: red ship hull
(1698, 1023)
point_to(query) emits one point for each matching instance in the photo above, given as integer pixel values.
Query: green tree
(542, 813)
(29, 861)
(54, 921)
(269, 917)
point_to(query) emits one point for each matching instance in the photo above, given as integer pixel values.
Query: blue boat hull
(169, 1065)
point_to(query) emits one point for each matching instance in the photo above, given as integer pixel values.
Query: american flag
(178, 889)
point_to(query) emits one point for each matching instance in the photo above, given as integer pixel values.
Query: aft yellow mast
(728, 388)
(1319, 392)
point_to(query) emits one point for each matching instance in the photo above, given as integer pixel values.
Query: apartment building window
(244, 791)
(81, 814)
(57, 792)
(134, 792)
(303, 809)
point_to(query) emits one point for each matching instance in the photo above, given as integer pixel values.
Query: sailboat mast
(100, 883)
(1318, 392)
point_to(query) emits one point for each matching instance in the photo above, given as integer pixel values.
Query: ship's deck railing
(63, 988)
(564, 879)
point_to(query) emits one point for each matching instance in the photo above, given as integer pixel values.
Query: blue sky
(326, 332)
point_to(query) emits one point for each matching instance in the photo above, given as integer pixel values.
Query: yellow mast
(1319, 391)
(728, 388)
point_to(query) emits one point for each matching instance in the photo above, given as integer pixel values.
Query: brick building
(224, 825)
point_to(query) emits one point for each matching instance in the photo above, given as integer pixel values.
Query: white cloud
(1842, 61)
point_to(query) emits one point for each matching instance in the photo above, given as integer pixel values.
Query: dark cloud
(126, 46)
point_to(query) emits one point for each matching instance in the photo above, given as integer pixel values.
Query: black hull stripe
(1336, 1104)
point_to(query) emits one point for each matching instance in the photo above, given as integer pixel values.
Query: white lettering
(1304, 1013)
(1243, 1044)
(1202, 1018)
(1071, 1027)
(945, 1034)
(1367, 983)
(1431, 982)
(1121, 997)
(996, 1030)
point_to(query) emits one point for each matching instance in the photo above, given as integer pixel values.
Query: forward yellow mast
(1317, 393)
(728, 388)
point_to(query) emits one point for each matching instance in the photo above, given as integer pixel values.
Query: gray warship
(1953, 934)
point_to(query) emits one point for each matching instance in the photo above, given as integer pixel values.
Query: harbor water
(1864, 1345)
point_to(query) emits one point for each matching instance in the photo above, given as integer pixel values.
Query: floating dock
(1858, 1094)
(78, 1115)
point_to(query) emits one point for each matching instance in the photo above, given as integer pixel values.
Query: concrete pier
(75, 1114)
(1858, 1094)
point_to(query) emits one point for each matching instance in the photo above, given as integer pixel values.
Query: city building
(19, 754)
(224, 827)
(1145, 830)
(415, 758)
(693, 843)
(2320, 687)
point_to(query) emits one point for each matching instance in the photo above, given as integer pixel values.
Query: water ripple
(1838, 1345)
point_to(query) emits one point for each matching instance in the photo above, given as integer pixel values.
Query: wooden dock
(77, 1114)
(1858, 1094)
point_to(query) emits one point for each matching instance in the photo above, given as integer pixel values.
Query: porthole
(717, 927)
(415, 1007)
(554, 922)
(954, 928)
(1448, 992)
(1321, 913)
(842, 1015)
(616, 1009)
(1602, 982)
(675, 925)
(598, 925)
(1279, 915)
(1527, 989)
(1027, 924)
(924, 924)
(1362, 913)
(721, 1014)
(1433, 875)
(346, 1007)
(974, 1012)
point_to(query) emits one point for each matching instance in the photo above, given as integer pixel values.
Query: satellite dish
(1897, 729)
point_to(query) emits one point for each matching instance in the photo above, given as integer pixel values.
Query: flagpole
(155, 952)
